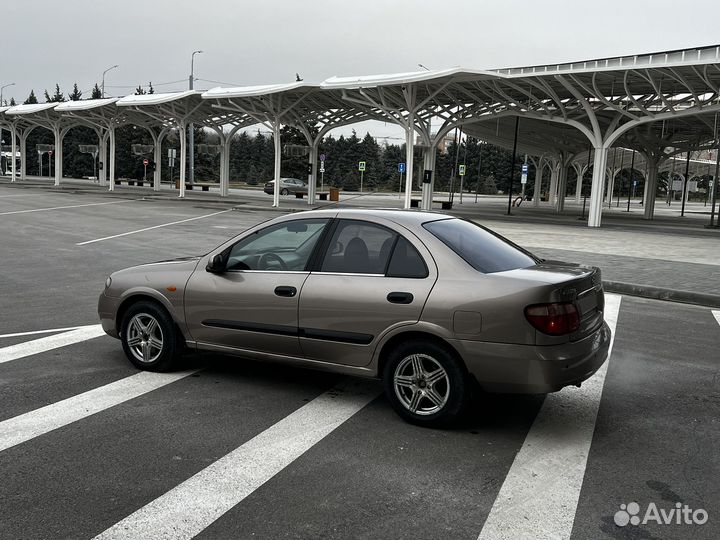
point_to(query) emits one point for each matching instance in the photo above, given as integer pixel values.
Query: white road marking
(36, 346)
(151, 228)
(49, 331)
(60, 208)
(24, 195)
(190, 507)
(716, 314)
(45, 419)
(540, 494)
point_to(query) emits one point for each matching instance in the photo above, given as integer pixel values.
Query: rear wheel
(425, 383)
(284, 191)
(149, 337)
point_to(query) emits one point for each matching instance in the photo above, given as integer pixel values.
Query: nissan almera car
(433, 305)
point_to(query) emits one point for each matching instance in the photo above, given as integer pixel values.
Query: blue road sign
(401, 167)
(524, 168)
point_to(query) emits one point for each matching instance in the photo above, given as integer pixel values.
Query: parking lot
(229, 448)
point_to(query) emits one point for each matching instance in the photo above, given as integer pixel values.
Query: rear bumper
(531, 369)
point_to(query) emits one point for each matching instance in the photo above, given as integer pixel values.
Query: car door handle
(400, 298)
(284, 290)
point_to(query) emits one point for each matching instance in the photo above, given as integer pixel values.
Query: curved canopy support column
(58, 153)
(182, 132)
(225, 164)
(653, 164)
(312, 170)
(13, 149)
(409, 156)
(103, 145)
(562, 187)
(157, 175)
(111, 136)
(598, 182)
(278, 162)
(23, 153)
(428, 189)
(537, 182)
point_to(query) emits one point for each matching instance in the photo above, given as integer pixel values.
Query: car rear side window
(485, 251)
(406, 262)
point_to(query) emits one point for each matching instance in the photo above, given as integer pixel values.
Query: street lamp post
(3, 87)
(191, 140)
(103, 78)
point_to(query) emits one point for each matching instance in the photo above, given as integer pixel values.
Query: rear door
(371, 278)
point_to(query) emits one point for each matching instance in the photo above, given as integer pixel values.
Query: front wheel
(149, 337)
(425, 383)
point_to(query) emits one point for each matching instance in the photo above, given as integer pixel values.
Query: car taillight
(553, 319)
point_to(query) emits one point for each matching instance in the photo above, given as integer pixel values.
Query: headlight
(108, 282)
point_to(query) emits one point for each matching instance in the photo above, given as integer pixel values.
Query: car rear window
(482, 249)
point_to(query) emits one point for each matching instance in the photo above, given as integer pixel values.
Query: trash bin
(177, 184)
(334, 194)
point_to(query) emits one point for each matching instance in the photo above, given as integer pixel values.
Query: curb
(659, 293)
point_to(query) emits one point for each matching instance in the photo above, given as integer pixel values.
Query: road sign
(145, 162)
(361, 166)
(322, 166)
(461, 172)
(322, 157)
(523, 177)
(401, 167)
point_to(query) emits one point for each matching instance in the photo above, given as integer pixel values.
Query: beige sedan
(434, 305)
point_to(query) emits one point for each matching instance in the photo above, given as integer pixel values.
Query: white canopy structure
(657, 104)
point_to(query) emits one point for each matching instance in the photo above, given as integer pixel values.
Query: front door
(253, 304)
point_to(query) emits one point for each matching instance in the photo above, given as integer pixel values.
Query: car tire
(284, 191)
(149, 337)
(435, 398)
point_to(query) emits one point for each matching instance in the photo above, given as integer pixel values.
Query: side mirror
(216, 265)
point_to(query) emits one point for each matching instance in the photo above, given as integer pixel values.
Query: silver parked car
(432, 304)
(287, 186)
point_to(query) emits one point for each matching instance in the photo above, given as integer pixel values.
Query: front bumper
(107, 308)
(531, 369)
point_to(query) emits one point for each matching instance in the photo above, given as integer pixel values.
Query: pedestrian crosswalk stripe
(32, 424)
(190, 507)
(34, 332)
(539, 496)
(37, 346)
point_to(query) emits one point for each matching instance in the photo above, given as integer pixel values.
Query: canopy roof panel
(85, 105)
(252, 91)
(30, 108)
(156, 99)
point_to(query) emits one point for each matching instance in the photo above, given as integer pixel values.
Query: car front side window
(285, 246)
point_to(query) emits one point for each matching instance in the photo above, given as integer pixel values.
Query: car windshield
(481, 248)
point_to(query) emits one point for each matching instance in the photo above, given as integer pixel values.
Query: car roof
(409, 218)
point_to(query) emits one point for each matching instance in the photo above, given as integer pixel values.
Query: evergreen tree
(96, 92)
(151, 90)
(12, 102)
(75, 95)
(58, 96)
(139, 91)
(31, 99)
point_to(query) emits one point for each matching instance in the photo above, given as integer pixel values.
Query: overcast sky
(267, 41)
